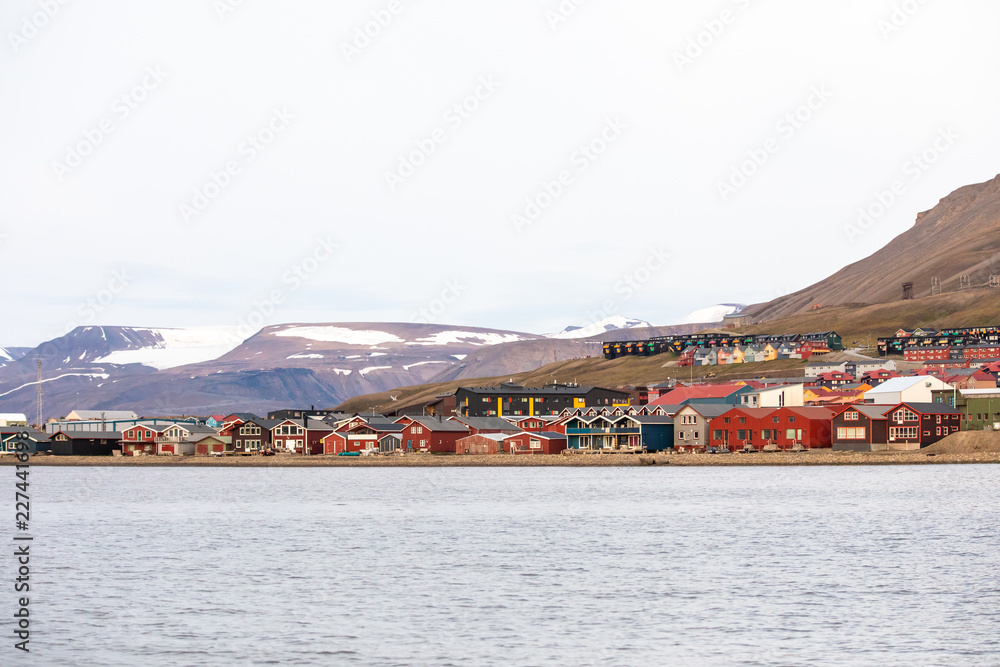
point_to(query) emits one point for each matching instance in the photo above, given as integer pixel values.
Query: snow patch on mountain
(371, 369)
(340, 335)
(612, 323)
(449, 337)
(422, 363)
(304, 356)
(712, 313)
(178, 347)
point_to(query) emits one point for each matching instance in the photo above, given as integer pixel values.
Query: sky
(523, 165)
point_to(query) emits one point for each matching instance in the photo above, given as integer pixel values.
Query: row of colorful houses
(911, 340)
(804, 345)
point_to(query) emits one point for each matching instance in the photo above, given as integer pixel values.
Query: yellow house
(770, 353)
(738, 357)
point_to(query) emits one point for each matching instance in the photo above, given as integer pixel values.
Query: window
(791, 420)
(741, 434)
(716, 435)
(774, 420)
(697, 435)
(851, 416)
(938, 431)
(851, 433)
(743, 420)
(765, 434)
(680, 435)
(725, 419)
(902, 432)
(536, 444)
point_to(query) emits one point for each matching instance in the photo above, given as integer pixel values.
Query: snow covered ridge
(449, 337)
(340, 335)
(370, 337)
(178, 347)
(612, 323)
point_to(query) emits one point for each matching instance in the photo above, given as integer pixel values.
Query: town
(858, 404)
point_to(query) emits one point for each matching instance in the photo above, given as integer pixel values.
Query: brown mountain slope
(961, 235)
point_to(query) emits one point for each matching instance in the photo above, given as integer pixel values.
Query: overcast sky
(502, 164)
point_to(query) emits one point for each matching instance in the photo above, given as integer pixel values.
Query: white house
(107, 415)
(912, 389)
(13, 419)
(780, 396)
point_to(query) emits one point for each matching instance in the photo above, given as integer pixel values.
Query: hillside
(959, 236)
(860, 324)
(626, 371)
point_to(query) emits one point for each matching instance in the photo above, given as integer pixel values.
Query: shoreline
(770, 459)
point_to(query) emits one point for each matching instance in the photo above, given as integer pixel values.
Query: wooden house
(535, 443)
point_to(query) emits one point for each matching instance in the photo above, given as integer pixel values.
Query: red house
(772, 428)
(481, 443)
(430, 434)
(478, 425)
(334, 442)
(875, 378)
(983, 351)
(535, 443)
(141, 438)
(919, 425)
(927, 353)
(833, 379)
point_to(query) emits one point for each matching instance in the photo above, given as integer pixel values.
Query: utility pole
(38, 398)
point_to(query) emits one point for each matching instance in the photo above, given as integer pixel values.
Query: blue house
(36, 441)
(620, 434)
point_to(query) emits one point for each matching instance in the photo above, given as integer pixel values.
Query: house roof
(902, 384)
(492, 436)
(491, 423)
(871, 411)
(651, 419)
(708, 410)
(547, 435)
(686, 394)
(931, 408)
(106, 415)
(435, 424)
(89, 435)
(32, 433)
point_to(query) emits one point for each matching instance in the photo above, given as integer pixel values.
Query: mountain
(613, 323)
(201, 370)
(960, 236)
(209, 370)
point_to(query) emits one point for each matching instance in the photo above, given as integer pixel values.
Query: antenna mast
(38, 398)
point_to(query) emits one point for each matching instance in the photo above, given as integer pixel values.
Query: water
(699, 566)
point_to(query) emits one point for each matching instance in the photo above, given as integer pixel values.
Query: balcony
(603, 431)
